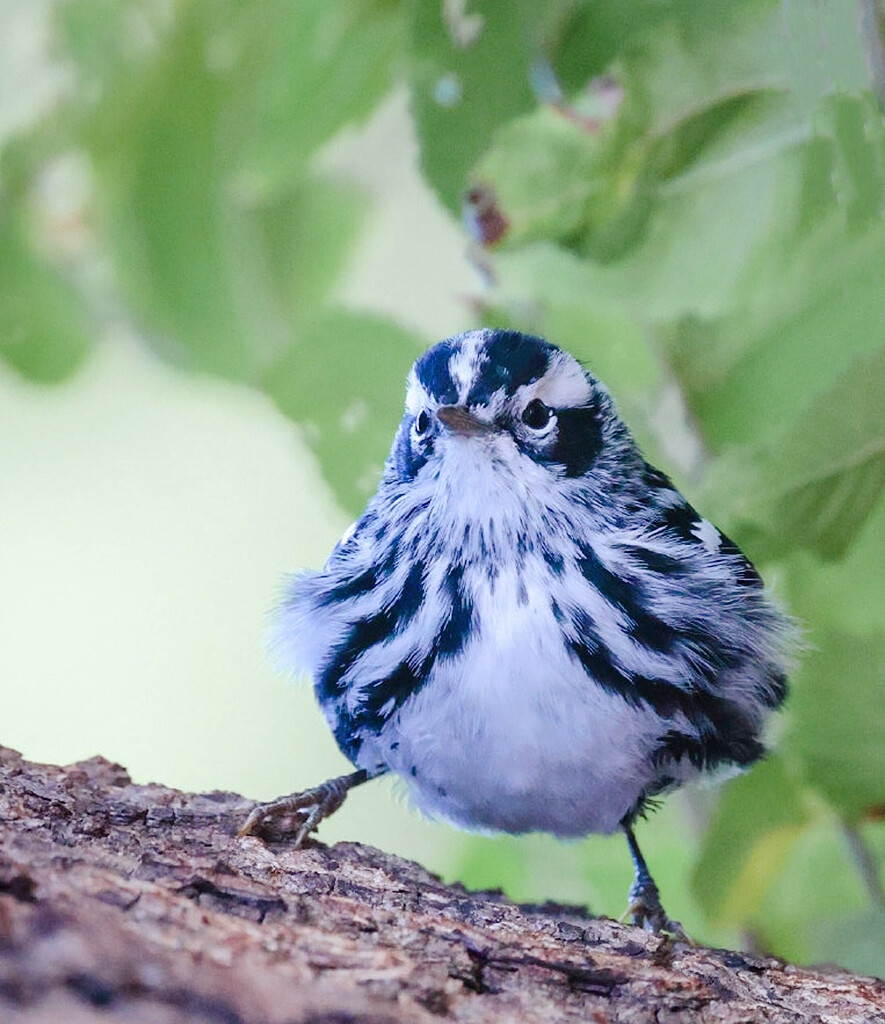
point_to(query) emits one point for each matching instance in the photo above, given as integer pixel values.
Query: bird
(529, 625)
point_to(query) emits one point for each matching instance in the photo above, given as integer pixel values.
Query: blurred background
(227, 228)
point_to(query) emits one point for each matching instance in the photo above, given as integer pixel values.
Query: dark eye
(536, 415)
(422, 422)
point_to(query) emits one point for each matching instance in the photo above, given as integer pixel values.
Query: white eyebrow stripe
(564, 385)
(417, 396)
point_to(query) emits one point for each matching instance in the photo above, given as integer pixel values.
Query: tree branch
(127, 903)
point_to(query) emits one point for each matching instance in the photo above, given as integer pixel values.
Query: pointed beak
(458, 420)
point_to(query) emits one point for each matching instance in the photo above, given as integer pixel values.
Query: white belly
(513, 736)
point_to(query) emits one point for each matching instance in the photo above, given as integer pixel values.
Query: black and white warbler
(529, 624)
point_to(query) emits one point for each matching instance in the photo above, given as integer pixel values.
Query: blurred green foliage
(694, 196)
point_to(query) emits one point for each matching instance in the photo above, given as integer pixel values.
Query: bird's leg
(302, 812)
(644, 907)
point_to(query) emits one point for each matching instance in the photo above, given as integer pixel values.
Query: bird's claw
(645, 910)
(300, 812)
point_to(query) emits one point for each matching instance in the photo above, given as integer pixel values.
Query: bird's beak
(459, 420)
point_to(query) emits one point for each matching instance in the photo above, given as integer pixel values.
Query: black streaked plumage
(529, 624)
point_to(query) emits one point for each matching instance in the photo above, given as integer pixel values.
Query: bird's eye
(422, 422)
(536, 415)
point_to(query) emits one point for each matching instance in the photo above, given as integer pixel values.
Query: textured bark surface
(124, 903)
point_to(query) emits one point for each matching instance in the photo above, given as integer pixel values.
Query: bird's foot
(645, 910)
(298, 813)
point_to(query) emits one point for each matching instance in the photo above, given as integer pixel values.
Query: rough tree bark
(123, 903)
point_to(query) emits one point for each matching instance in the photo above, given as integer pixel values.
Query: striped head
(527, 402)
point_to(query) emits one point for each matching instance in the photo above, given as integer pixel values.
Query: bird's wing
(673, 518)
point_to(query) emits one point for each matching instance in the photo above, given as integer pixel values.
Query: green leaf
(690, 82)
(298, 246)
(837, 720)
(344, 382)
(221, 278)
(591, 36)
(44, 328)
(855, 941)
(848, 594)
(707, 104)
(302, 71)
(694, 53)
(470, 73)
(105, 38)
(818, 884)
(825, 48)
(709, 224)
(542, 168)
(860, 159)
(165, 208)
(296, 73)
(808, 300)
(708, 53)
(758, 818)
(722, 194)
(816, 485)
(748, 376)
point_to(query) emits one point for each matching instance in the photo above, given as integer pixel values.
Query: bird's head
(509, 409)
